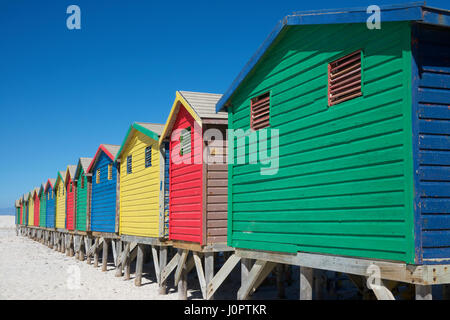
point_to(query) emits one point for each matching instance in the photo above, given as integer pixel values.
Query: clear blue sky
(63, 92)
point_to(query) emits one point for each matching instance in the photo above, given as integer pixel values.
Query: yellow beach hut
(31, 208)
(141, 163)
(60, 204)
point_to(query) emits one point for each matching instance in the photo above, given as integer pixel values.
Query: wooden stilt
(88, 245)
(105, 255)
(209, 270)
(81, 250)
(423, 292)
(183, 256)
(96, 252)
(182, 284)
(221, 275)
(258, 273)
(162, 264)
(139, 265)
(306, 280)
(127, 263)
(71, 245)
(200, 273)
(122, 261)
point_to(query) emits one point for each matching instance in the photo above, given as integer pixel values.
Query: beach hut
(104, 212)
(60, 201)
(36, 207)
(17, 211)
(30, 200)
(70, 197)
(83, 190)
(42, 206)
(141, 179)
(22, 205)
(197, 189)
(49, 194)
(357, 120)
(25, 209)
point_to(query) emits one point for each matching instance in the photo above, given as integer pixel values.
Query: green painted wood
(81, 202)
(344, 183)
(42, 210)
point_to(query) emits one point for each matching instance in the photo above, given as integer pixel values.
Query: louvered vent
(185, 140)
(129, 168)
(344, 78)
(260, 111)
(148, 156)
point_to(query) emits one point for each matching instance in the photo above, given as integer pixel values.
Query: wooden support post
(306, 280)
(114, 250)
(162, 265)
(423, 292)
(280, 281)
(122, 261)
(209, 270)
(71, 245)
(105, 255)
(200, 274)
(88, 244)
(156, 263)
(182, 283)
(183, 256)
(127, 266)
(81, 250)
(139, 265)
(96, 252)
(259, 272)
(221, 275)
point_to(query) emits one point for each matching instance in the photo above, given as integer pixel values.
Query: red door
(186, 180)
(69, 205)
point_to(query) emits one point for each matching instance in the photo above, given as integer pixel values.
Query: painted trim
(415, 11)
(97, 154)
(179, 100)
(141, 129)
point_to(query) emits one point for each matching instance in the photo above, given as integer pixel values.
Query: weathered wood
(122, 260)
(209, 271)
(114, 250)
(88, 244)
(96, 252)
(156, 262)
(139, 265)
(162, 265)
(306, 281)
(182, 283)
(81, 251)
(200, 274)
(423, 292)
(259, 269)
(381, 291)
(105, 255)
(127, 263)
(397, 271)
(181, 263)
(214, 283)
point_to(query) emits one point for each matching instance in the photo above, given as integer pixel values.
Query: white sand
(30, 270)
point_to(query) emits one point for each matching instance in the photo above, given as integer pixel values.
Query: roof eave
(415, 11)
